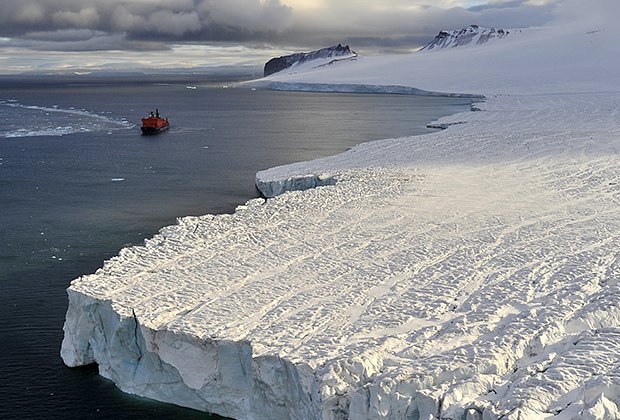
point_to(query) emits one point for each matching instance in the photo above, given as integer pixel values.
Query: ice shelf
(471, 273)
(476, 273)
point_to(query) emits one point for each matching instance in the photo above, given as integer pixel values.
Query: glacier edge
(217, 376)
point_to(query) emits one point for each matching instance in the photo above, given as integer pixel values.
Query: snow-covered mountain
(472, 35)
(536, 60)
(278, 64)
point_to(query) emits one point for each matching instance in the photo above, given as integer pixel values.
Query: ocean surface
(78, 183)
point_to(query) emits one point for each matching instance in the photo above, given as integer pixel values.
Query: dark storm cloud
(394, 44)
(71, 25)
(406, 28)
(503, 5)
(147, 19)
(82, 40)
(514, 14)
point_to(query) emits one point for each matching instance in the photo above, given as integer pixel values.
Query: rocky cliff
(280, 63)
(472, 35)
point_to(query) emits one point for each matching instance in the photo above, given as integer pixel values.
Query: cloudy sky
(42, 35)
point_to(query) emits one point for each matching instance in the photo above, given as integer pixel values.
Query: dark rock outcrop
(280, 63)
(473, 34)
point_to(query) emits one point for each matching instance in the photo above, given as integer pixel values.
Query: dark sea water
(78, 182)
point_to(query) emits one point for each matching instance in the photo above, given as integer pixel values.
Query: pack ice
(472, 273)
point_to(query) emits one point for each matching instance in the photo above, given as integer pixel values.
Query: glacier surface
(471, 273)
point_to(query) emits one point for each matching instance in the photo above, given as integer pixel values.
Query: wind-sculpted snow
(469, 273)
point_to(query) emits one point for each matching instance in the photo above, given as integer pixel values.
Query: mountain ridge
(278, 64)
(473, 34)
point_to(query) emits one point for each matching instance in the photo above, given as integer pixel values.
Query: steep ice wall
(213, 375)
(298, 182)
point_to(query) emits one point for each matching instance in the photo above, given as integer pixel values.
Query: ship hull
(153, 130)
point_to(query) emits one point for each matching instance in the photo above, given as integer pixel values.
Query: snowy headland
(472, 273)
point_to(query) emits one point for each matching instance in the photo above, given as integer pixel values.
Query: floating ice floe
(44, 121)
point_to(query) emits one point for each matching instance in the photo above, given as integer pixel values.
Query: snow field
(563, 58)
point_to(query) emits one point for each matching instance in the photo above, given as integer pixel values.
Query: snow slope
(469, 273)
(556, 59)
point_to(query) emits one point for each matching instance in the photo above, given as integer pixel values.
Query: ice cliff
(471, 273)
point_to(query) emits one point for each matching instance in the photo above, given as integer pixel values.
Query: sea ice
(89, 121)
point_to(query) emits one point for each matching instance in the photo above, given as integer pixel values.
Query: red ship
(153, 124)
